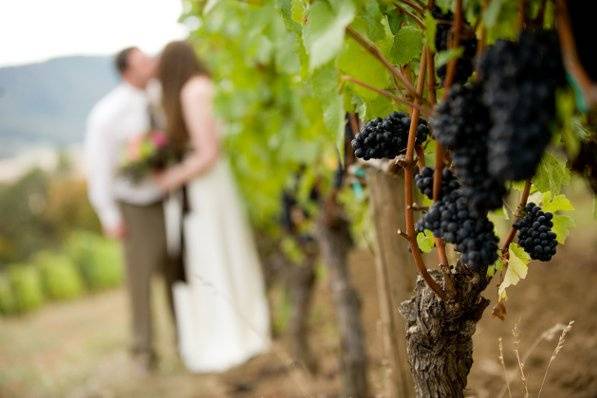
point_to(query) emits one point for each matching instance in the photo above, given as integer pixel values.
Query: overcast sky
(35, 30)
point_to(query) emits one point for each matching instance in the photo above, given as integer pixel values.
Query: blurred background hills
(46, 104)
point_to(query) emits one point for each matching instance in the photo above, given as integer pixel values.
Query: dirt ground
(78, 349)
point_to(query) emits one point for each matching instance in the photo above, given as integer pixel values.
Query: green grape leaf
(555, 203)
(358, 63)
(323, 35)
(373, 18)
(552, 174)
(407, 45)
(562, 224)
(443, 57)
(425, 241)
(298, 10)
(430, 29)
(518, 266)
(495, 267)
(395, 20)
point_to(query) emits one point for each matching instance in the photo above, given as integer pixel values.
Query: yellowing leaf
(555, 203)
(516, 271)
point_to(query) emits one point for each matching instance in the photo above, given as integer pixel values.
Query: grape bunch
(519, 82)
(387, 137)
(424, 182)
(461, 123)
(535, 234)
(451, 219)
(465, 64)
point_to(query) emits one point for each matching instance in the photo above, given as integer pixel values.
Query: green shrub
(99, 260)
(60, 277)
(26, 287)
(7, 300)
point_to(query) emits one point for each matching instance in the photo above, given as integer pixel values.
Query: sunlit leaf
(324, 33)
(517, 269)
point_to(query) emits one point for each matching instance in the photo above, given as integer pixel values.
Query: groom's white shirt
(114, 121)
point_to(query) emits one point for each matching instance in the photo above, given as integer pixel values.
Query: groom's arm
(100, 154)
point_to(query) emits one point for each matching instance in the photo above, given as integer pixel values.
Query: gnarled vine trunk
(335, 242)
(439, 334)
(300, 282)
(395, 276)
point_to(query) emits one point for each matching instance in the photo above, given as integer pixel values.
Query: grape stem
(417, 7)
(410, 14)
(524, 197)
(408, 187)
(377, 54)
(425, 109)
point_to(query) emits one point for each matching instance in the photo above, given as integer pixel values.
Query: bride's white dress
(222, 311)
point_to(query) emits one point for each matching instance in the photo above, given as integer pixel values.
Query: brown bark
(439, 334)
(395, 277)
(335, 242)
(300, 282)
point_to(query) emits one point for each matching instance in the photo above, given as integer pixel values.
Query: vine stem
(417, 7)
(408, 187)
(410, 14)
(524, 197)
(424, 109)
(570, 55)
(376, 53)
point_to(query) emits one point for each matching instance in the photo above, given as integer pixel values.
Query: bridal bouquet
(145, 154)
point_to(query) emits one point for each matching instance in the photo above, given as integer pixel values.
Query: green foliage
(98, 260)
(324, 32)
(60, 278)
(7, 300)
(425, 241)
(552, 174)
(26, 287)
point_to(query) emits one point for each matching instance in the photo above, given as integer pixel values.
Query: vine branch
(524, 197)
(410, 14)
(408, 187)
(376, 53)
(423, 108)
(570, 55)
(417, 7)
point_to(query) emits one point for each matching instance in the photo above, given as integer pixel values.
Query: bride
(221, 310)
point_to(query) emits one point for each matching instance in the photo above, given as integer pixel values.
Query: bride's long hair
(178, 64)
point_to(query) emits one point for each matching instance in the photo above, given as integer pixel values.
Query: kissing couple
(160, 184)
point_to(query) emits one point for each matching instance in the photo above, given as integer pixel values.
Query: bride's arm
(197, 108)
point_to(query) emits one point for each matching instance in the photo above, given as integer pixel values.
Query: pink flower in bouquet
(159, 138)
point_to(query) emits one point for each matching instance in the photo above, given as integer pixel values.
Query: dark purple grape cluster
(386, 138)
(534, 233)
(519, 81)
(451, 219)
(461, 123)
(468, 42)
(424, 182)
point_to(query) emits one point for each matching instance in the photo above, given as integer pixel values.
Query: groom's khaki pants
(145, 253)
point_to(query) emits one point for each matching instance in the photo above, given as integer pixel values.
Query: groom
(130, 212)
